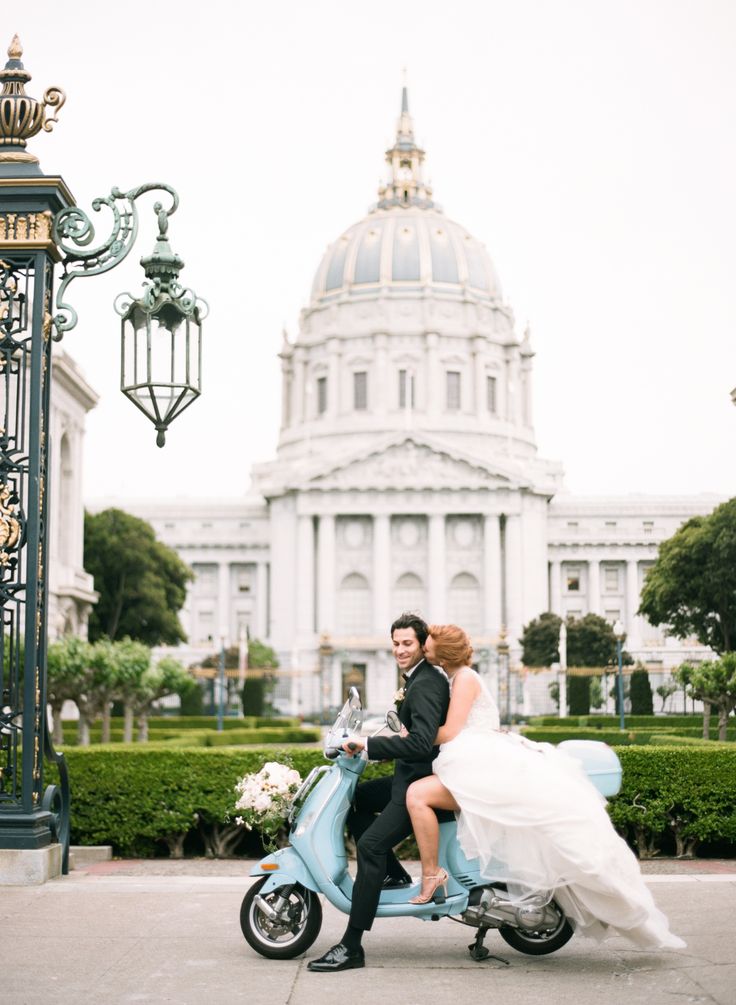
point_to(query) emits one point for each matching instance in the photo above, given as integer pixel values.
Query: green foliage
(540, 641)
(640, 691)
(590, 642)
(596, 693)
(578, 695)
(141, 582)
(665, 691)
(692, 585)
(258, 688)
(192, 701)
(714, 682)
(142, 799)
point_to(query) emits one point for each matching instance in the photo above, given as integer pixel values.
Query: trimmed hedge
(607, 721)
(143, 798)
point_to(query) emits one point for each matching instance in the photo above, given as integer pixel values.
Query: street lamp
(326, 652)
(620, 633)
(221, 683)
(562, 710)
(502, 648)
(40, 227)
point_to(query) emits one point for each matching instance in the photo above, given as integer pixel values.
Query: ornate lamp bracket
(73, 232)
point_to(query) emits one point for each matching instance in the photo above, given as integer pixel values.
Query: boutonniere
(399, 697)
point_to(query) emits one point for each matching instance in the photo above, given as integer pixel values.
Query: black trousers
(375, 837)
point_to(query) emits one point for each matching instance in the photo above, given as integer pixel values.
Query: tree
(596, 693)
(714, 682)
(141, 582)
(692, 585)
(578, 694)
(168, 676)
(590, 641)
(67, 677)
(641, 692)
(665, 691)
(132, 662)
(540, 641)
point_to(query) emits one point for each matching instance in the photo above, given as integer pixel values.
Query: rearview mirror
(393, 721)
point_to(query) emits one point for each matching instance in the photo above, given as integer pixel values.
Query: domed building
(407, 477)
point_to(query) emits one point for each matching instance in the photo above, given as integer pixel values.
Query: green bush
(142, 799)
(578, 695)
(640, 692)
(614, 737)
(608, 721)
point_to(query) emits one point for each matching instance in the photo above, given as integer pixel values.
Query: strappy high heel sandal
(438, 893)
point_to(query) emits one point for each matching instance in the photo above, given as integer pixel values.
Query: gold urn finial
(15, 49)
(21, 116)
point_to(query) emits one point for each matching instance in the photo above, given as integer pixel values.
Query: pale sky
(590, 145)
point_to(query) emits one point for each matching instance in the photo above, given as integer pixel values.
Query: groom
(422, 710)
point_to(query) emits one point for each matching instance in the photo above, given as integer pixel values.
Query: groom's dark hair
(409, 620)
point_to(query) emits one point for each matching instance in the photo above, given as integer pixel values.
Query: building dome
(405, 249)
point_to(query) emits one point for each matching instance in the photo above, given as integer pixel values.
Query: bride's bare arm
(465, 688)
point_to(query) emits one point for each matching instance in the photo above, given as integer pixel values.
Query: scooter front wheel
(284, 924)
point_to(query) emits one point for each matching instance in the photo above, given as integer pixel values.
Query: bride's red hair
(452, 645)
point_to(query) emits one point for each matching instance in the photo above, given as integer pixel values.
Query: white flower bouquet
(264, 799)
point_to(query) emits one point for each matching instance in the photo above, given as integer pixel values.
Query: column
(326, 574)
(492, 573)
(555, 586)
(513, 567)
(594, 587)
(262, 599)
(305, 575)
(437, 585)
(222, 625)
(630, 619)
(381, 573)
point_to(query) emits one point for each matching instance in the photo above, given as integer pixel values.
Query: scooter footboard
(282, 868)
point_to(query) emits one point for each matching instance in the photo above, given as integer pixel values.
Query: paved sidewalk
(119, 933)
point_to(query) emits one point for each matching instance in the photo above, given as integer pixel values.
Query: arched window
(464, 603)
(354, 606)
(409, 594)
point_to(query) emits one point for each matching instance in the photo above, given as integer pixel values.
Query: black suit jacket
(423, 711)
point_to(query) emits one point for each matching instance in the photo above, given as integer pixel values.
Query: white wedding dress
(536, 822)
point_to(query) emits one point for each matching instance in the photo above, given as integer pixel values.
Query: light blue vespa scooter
(281, 914)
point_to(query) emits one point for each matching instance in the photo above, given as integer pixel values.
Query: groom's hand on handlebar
(353, 746)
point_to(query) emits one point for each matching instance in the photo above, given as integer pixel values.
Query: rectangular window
(453, 390)
(612, 615)
(610, 580)
(573, 581)
(321, 395)
(491, 403)
(610, 524)
(648, 526)
(360, 390)
(406, 389)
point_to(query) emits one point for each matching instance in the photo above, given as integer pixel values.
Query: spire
(405, 185)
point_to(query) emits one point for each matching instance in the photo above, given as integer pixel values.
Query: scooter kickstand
(479, 952)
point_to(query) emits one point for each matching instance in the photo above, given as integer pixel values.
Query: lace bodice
(484, 711)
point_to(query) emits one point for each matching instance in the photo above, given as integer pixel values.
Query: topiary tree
(641, 692)
(578, 694)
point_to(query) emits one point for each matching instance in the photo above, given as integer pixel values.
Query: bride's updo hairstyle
(452, 645)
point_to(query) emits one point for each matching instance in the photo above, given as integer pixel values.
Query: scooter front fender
(282, 868)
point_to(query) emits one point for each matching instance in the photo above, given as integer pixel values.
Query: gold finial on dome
(22, 116)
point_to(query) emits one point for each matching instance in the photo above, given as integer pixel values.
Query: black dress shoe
(338, 958)
(396, 882)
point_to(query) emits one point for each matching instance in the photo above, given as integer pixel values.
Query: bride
(528, 812)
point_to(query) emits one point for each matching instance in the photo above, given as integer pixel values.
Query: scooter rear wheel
(285, 937)
(538, 943)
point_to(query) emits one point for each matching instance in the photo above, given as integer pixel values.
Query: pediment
(408, 465)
